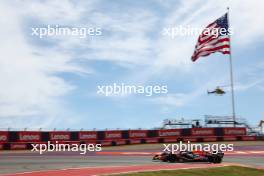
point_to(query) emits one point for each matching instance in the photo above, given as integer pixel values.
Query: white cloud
(246, 86)
(29, 86)
(53, 11)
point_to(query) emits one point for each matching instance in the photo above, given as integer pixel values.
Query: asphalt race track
(114, 160)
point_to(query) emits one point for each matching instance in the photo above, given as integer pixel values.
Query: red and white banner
(90, 142)
(170, 140)
(106, 143)
(151, 140)
(59, 136)
(29, 136)
(191, 139)
(169, 132)
(235, 131)
(210, 139)
(137, 133)
(59, 142)
(202, 131)
(135, 141)
(87, 135)
(230, 138)
(113, 135)
(18, 146)
(44, 143)
(249, 138)
(3, 136)
(73, 142)
(120, 142)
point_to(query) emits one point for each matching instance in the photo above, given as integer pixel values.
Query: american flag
(214, 38)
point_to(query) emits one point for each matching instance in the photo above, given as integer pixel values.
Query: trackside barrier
(73, 142)
(88, 142)
(229, 138)
(191, 139)
(210, 139)
(22, 139)
(249, 138)
(168, 140)
(60, 136)
(113, 134)
(120, 142)
(29, 136)
(87, 135)
(234, 131)
(135, 141)
(29, 146)
(18, 146)
(202, 132)
(169, 133)
(151, 140)
(3, 136)
(106, 143)
(23, 146)
(138, 133)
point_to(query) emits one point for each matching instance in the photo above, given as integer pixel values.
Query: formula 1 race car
(187, 156)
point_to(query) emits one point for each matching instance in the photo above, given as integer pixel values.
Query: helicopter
(217, 91)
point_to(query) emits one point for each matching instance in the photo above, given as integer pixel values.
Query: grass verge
(219, 171)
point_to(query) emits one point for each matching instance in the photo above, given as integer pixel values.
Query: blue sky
(52, 82)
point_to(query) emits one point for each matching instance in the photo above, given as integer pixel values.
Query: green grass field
(219, 171)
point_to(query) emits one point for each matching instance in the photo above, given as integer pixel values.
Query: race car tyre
(218, 160)
(172, 158)
(180, 160)
(155, 157)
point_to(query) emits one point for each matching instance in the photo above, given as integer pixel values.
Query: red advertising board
(3, 136)
(59, 142)
(190, 139)
(170, 140)
(74, 142)
(210, 139)
(1, 146)
(44, 143)
(120, 142)
(87, 135)
(59, 136)
(18, 146)
(29, 136)
(113, 135)
(230, 138)
(151, 140)
(202, 132)
(234, 131)
(248, 138)
(169, 132)
(106, 143)
(137, 133)
(135, 141)
(90, 142)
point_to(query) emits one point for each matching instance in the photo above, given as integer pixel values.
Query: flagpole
(231, 75)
